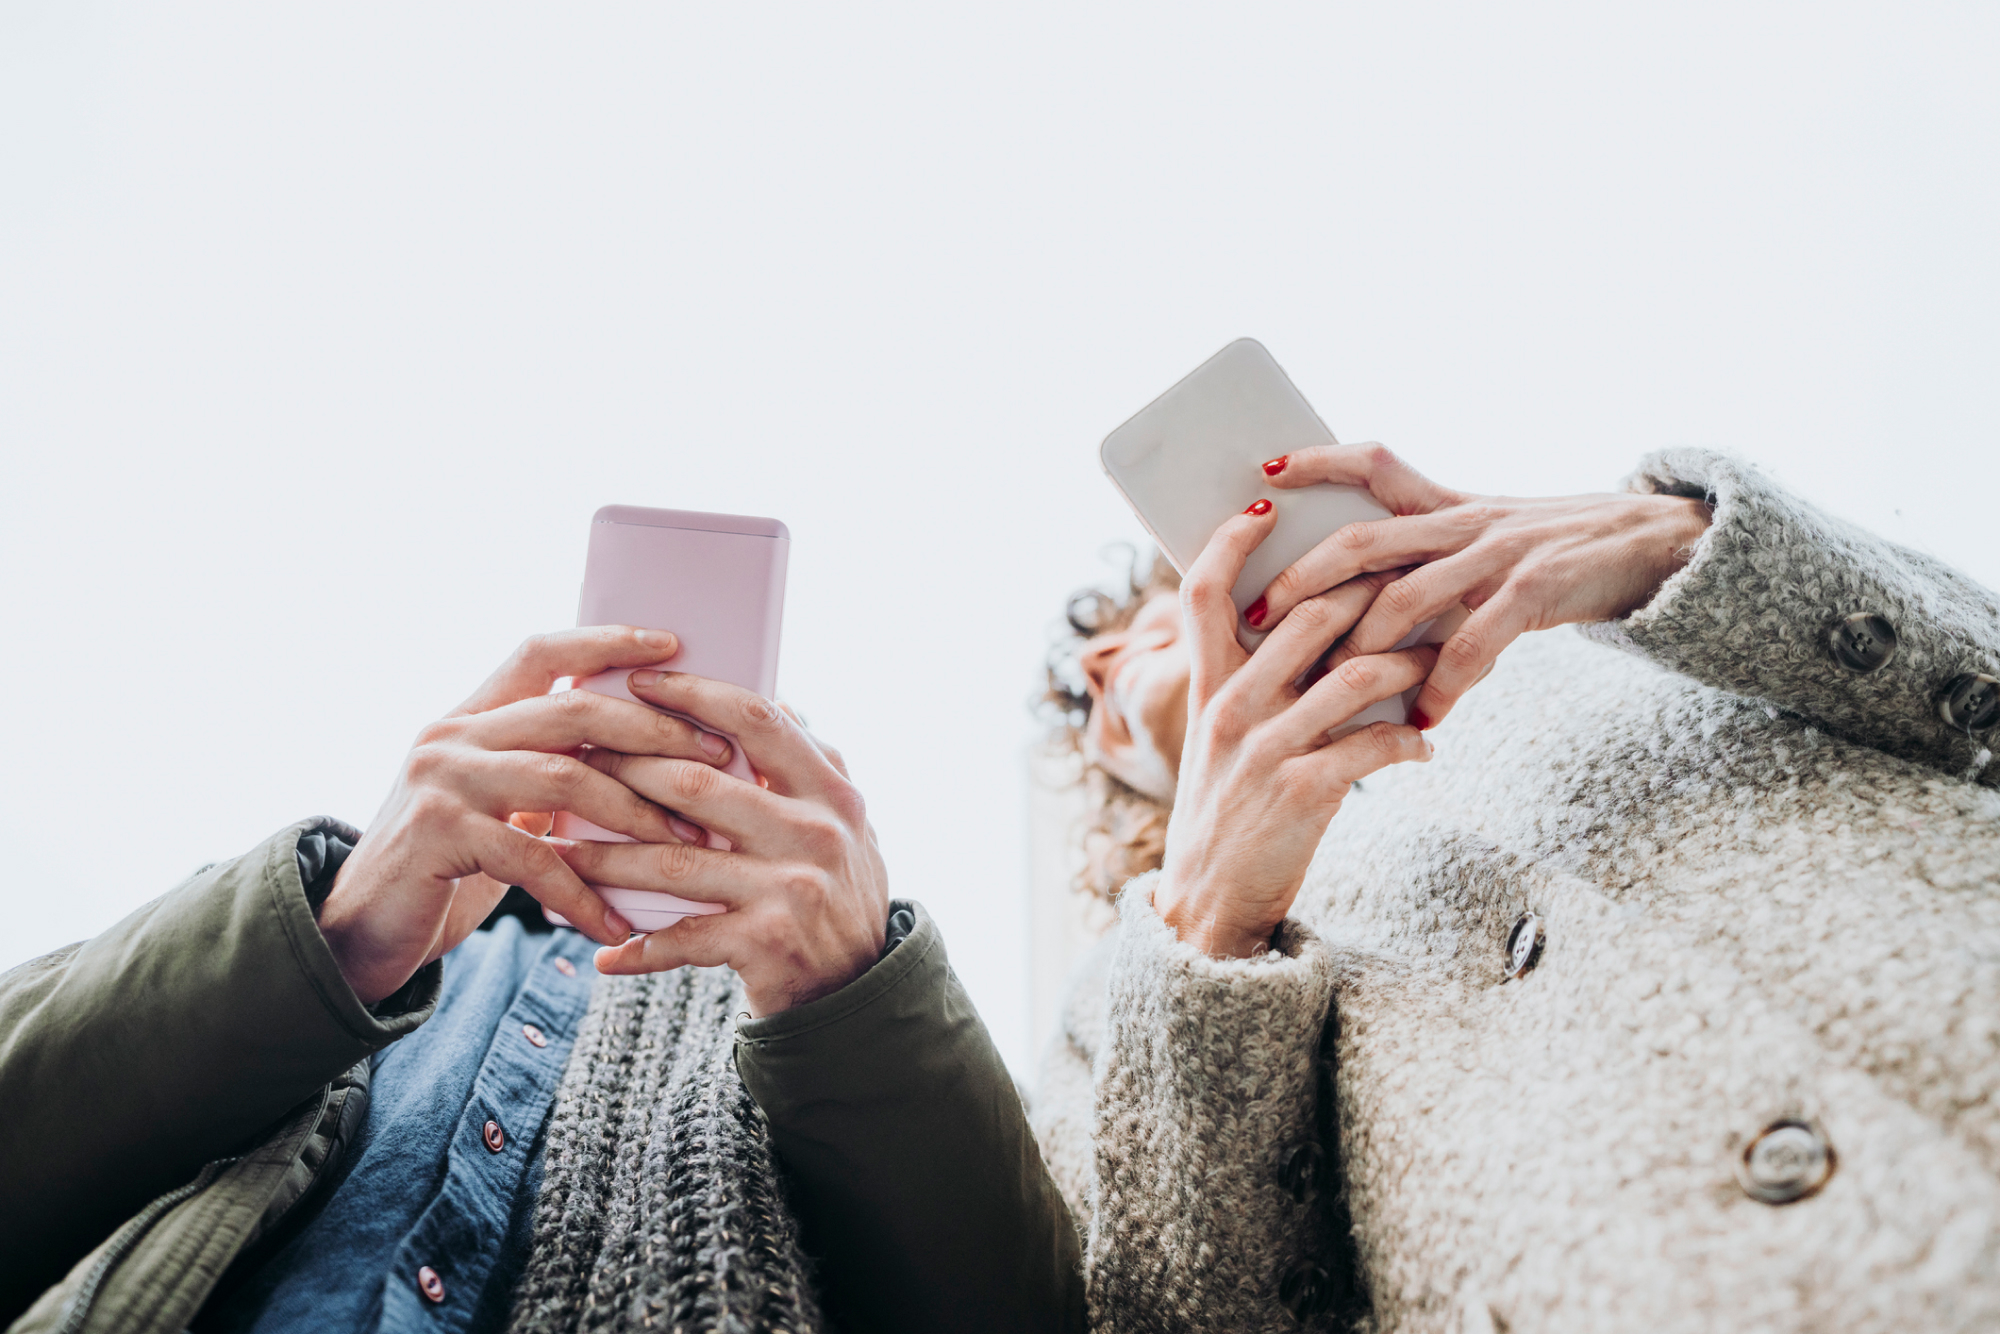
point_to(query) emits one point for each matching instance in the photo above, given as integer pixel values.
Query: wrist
(1198, 922)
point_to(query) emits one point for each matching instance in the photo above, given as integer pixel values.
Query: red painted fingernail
(1277, 465)
(1420, 720)
(1259, 507)
(1254, 613)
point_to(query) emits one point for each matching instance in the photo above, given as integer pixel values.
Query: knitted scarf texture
(661, 1207)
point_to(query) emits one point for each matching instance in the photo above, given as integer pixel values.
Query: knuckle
(848, 804)
(823, 838)
(432, 809)
(444, 729)
(1312, 615)
(428, 760)
(573, 704)
(1354, 536)
(691, 782)
(562, 773)
(673, 733)
(1401, 598)
(805, 886)
(535, 649)
(1381, 458)
(1382, 740)
(1462, 653)
(675, 862)
(1360, 675)
(760, 714)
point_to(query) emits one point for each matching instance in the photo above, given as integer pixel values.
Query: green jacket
(175, 1086)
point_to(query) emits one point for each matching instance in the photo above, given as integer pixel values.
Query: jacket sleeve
(918, 1184)
(1209, 1197)
(1758, 608)
(130, 1060)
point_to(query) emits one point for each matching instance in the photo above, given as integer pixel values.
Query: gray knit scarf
(661, 1207)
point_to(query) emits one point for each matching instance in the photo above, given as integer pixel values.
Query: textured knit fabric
(661, 1207)
(1771, 891)
(422, 1185)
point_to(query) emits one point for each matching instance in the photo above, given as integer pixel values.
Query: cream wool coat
(1769, 892)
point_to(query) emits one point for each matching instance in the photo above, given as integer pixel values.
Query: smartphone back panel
(718, 582)
(1192, 458)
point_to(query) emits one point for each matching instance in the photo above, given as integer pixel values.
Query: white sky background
(323, 329)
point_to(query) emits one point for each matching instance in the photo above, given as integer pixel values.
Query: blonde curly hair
(1125, 831)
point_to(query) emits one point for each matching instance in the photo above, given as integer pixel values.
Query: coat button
(1862, 642)
(1304, 1291)
(429, 1284)
(1301, 1172)
(1969, 702)
(1788, 1162)
(1524, 945)
(534, 1035)
(565, 967)
(495, 1137)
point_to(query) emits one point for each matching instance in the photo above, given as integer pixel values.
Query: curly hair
(1125, 833)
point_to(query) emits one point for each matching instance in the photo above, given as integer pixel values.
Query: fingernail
(1256, 611)
(713, 744)
(1420, 720)
(1277, 465)
(559, 844)
(648, 678)
(617, 925)
(1430, 748)
(1259, 507)
(657, 638)
(684, 831)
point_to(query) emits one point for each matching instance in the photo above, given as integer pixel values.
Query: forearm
(172, 1038)
(918, 1183)
(1211, 1173)
(1768, 607)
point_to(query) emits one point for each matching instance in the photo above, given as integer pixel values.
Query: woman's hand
(1516, 565)
(447, 842)
(1259, 781)
(807, 892)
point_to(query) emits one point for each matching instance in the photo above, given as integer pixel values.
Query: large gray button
(1862, 642)
(1524, 945)
(1300, 1174)
(1305, 1291)
(1970, 702)
(1789, 1161)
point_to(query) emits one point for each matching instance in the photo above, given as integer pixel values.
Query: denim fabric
(420, 1186)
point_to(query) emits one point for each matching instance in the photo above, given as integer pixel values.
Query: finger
(750, 817)
(571, 718)
(533, 823)
(1400, 488)
(1360, 753)
(1467, 656)
(512, 858)
(707, 875)
(1423, 594)
(777, 748)
(1310, 629)
(542, 660)
(1376, 545)
(1209, 611)
(1352, 687)
(708, 940)
(500, 783)
(833, 756)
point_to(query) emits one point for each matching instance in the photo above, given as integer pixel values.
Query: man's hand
(442, 851)
(807, 892)
(1516, 565)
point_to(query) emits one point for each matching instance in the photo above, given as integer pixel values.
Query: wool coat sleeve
(175, 1037)
(1210, 1123)
(1755, 609)
(918, 1184)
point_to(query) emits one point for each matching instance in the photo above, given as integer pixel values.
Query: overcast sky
(323, 329)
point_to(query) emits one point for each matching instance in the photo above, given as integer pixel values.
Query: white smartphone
(718, 582)
(1192, 457)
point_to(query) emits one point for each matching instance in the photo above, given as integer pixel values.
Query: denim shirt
(428, 1227)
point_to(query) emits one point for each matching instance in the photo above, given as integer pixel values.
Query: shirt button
(1788, 1162)
(534, 1035)
(565, 967)
(1862, 642)
(1300, 1175)
(429, 1284)
(1969, 702)
(1524, 945)
(495, 1137)
(1304, 1291)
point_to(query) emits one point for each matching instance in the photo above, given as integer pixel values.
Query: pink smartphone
(718, 582)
